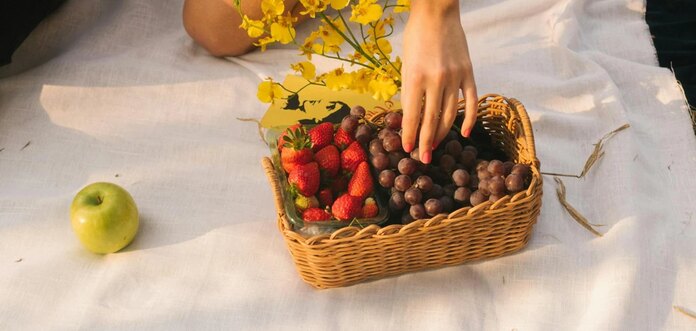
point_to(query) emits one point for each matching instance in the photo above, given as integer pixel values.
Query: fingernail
(467, 132)
(408, 148)
(425, 157)
(436, 144)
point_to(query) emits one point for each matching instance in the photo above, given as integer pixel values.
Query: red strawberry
(296, 150)
(352, 156)
(329, 160)
(325, 197)
(281, 142)
(370, 208)
(347, 207)
(305, 178)
(321, 135)
(315, 215)
(339, 185)
(361, 184)
(342, 138)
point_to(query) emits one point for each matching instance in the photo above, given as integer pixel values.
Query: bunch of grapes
(456, 178)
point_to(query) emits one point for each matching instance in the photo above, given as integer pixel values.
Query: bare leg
(214, 24)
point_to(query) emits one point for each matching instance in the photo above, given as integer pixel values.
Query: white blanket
(116, 91)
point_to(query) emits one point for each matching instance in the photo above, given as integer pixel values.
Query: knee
(218, 41)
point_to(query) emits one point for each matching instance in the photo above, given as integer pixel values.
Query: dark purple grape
(392, 143)
(447, 163)
(448, 190)
(416, 174)
(402, 182)
(483, 174)
(385, 132)
(413, 196)
(481, 165)
(363, 133)
(477, 198)
(358, 111)
(451, 135)
(433, 207)
(436, 192)
(474, 182)
(461, 195)
(380, 161)
(483, 187)
(424, 183)
(386, 178)
(394, 158)
(508, 167)
(514, 183)
(407, 166)
(472, 149)
(453, 148)
(447, 203)
(520, 169)
(437, 154)
(350, 123)
(468, 159)
(496, 185)
(397, 201)
(415, 154)
(376, 147)
(495, 197)
(417, 211)
(460, 177)
(406, 217)
(393, 120)
(496, 168)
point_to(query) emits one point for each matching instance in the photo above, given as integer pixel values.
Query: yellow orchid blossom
(365, 12)
(306, 68)
(282, 33)
(402, 6)
(253, 28)
(269, 91)
(271, 8)
(337, 79)
(312, 7)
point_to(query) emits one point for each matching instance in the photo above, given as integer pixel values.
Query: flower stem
(356, 47)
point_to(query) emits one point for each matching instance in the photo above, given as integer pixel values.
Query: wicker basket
(350, 255)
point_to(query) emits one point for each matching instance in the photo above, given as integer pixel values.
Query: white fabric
(116, 91)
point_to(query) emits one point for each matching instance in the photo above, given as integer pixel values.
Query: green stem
(384, 56)
(356, 47)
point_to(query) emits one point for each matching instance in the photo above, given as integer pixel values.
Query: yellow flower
(339, 4)
(337, 79)
(382, 87)
(382, 45)
(269, 91)
(263, 42)
(272, 8)
(312, 7)
(253, 28)
(377, 31)
(282, 33)
(366, 12)
(361, 80)
(402, 6)
(330, 36)
(306, 68)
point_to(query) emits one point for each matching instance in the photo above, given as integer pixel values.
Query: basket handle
(519, 109)
(275, 184)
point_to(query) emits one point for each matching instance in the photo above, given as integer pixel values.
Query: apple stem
(99, 199)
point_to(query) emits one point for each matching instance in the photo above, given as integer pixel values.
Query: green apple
(104, 217)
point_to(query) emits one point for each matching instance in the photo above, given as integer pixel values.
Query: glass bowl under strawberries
(312, 228)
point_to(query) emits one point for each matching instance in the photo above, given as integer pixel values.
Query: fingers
(411, 100)
(449, 113)
(431, 117)
(471, 110)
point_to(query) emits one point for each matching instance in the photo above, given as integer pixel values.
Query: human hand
(436, 65)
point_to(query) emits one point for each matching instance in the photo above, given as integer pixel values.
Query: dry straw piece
(354, 254)
(685, 312)
(561, 192)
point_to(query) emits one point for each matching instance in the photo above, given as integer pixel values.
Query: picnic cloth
(116, 91)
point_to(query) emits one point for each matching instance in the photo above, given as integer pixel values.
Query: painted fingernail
(467, 132)
(436, 144)
(425, 157)
(408, 148)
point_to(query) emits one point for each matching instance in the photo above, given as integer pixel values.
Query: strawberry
(305, 178)
(352, 156)
(281, 142)
(302, 202)
(370, 208)
(315, 215)
(325, 197)
(342, 138)
(296, 150)
(321, 135)
(360, 185)
(329, 160)
(347, 207)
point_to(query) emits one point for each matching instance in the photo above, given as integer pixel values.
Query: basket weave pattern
(350, 255)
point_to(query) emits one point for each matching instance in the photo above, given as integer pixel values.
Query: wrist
(435, 8)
